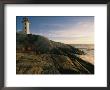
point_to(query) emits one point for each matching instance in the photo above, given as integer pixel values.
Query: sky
(65, 29)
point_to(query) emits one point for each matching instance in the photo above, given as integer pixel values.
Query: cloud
(19, 30)
(81, 32)
(83, 29)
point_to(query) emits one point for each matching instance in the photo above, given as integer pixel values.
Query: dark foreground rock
(38, 55)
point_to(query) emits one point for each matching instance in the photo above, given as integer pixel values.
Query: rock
(39, 55)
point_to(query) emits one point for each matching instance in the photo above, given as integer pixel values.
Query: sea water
(89, 52)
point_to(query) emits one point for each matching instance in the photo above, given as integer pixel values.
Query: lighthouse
(26, 24)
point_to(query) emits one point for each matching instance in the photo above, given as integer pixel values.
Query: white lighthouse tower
(26, 25)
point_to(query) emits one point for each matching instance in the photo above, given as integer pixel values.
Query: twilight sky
(65, 29)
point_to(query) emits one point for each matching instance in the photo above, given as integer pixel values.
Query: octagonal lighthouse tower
(26, 25)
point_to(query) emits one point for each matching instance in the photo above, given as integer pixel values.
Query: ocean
(88, 49)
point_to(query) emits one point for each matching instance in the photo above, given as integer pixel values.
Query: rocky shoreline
(39, 55)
